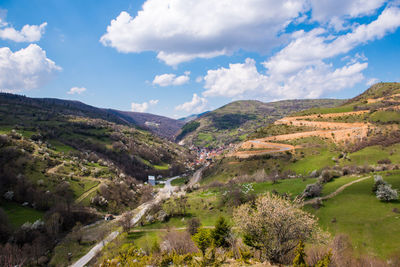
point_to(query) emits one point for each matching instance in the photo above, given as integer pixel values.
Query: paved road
(140, 211)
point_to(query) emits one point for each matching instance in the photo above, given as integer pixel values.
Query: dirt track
(336, 131)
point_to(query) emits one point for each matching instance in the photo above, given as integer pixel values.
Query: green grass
(18, 215)
(143, 239)
(371, 224)
(179, 181)
(81, 186)
(372, 154)
(60, 147)
(309, 163)
(290, 186)
(385, 117)
(340, 109)
(161, 167)
(338, 182)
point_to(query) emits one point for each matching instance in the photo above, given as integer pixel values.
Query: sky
(180, 57)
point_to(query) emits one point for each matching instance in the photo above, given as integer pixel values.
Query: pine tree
(221, 233)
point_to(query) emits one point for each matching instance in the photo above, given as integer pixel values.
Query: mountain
(233, 122)
(192, 117)
(161, 126)
(86, 129)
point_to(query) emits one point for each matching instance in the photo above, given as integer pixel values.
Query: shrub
(378, 181)
(386, 193)
(326, 176)
(178, 242)
(202, 240)
(313, 190)
(384, 161)
(193, 225)
(274, 225)
(221, 233)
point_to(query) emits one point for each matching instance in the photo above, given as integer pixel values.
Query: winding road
(140, 211)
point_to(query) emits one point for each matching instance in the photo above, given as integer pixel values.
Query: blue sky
(178, 57)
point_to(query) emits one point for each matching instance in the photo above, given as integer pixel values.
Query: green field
(371, 224)
(179, 181)
(18, 215)
(81, 186)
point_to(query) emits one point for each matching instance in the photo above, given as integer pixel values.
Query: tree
(299, 259)
(193, 225)
(378, 181)
(126, 221)
(178, 242)
(313, 190)
(202, 240)
(274, 225)
(221, 233)
(77, 233)
(386, 193)
(5, 228)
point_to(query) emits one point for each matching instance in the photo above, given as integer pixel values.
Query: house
(109, 217)
(151, 180)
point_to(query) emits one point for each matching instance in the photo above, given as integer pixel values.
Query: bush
(221, 233)
(313, 190)
(378, 181)
(274, 225)
(384, 161)
(193, 225)
(386, 193)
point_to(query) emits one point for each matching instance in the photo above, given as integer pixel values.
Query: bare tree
(126, 221)
(178, 242)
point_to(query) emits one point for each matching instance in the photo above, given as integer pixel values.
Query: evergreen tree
(221, 233)
(299, 260)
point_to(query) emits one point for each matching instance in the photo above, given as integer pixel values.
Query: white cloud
(76, 90)
(334, 11)
(244, 81)
(236, 81)
(143, 107)
(28, 33)
(171, 79)
(181, 30)
(300, 70)
(372, 81)
(196, 105)
(25, 69)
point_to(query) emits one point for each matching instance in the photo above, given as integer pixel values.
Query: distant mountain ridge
(234, 121)
(162, 126)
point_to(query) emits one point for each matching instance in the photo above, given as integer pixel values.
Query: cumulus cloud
(299, 70)
(143, 107)
(335, 11)
(196, 105)
(76, 90)
(28, 33)
(372, 81)
(25, 69)
(181, 30)
(171, 79)
(244, 81)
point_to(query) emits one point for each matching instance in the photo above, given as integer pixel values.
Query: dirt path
(333, 194)
(336, 131)
(88, 192)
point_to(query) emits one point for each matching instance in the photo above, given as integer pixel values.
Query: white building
(151, 180)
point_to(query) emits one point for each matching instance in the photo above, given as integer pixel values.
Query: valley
(76, 177)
